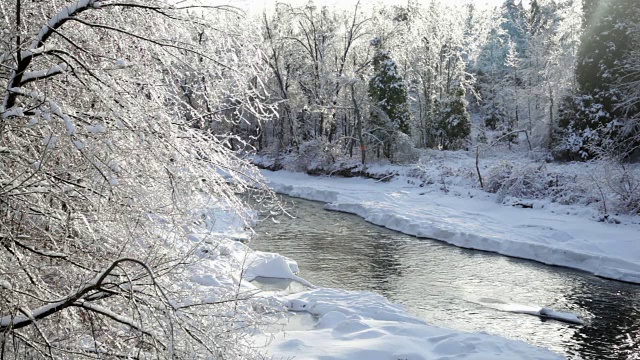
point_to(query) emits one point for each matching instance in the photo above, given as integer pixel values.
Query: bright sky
(260, 4)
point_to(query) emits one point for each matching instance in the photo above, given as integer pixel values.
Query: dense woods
(450, 76)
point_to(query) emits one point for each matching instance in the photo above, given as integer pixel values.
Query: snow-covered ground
(451, 210)
(340, 324)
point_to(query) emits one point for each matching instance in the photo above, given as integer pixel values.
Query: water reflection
(385, 267)
(458, 288)
(621, 325)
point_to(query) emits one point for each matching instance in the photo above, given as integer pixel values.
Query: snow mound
(560, 316)
(545, 313)
(365, 326)
(323, 301)
(271, 265)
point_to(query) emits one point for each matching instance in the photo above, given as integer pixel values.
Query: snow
(5, 284)
(15, 111)
(319, 302)
(33, 75)
(543, 312)
(478, 222)
(560, 316)
(57, 20)
(96, 129)
(50, 141)
(69, 125)
(271, 265)
(364, 325)
(206, 280)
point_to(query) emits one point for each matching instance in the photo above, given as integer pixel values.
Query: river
(458, 288)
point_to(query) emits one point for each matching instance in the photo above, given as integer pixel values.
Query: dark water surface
(457, 288)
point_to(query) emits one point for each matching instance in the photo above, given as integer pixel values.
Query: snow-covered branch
(38, 44)
(43, 74)
(12, 321)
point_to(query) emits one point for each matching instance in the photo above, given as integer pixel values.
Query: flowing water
(457, 288)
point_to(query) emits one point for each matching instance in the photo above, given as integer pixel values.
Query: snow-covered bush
(615, 188)
(316, 155)
(624, 182)
(497, 175)
(403, 150)
(530, 182)
(569, 190)
(422, 173)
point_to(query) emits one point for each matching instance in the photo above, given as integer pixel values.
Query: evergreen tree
(490, 68)
(514, 26)
(454, 126)
(589, 120)
(388, 94)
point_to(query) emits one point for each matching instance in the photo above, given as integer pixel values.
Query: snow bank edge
(597, 264)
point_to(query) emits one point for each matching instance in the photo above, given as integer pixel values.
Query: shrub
(527, 182)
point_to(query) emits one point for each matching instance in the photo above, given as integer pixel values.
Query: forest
(450, 76)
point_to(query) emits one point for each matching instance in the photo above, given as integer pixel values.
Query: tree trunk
(363, 150)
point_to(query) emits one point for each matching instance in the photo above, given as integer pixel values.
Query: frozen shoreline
(569, 240)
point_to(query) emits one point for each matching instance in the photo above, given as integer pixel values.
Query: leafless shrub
(527, 182)
(403, 150)
(317, 156)
(624, 182)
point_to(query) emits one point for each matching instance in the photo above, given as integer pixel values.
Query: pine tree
(590, 118)
(514, 26)
(388, 94)
(454, 126)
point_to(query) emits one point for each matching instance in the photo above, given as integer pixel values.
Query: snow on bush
(566, 189)
(610, 187)
(624, 183)
(316, 155)
(533, 181)
(403, 150)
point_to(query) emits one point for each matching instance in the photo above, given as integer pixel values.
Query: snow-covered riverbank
(542, 234)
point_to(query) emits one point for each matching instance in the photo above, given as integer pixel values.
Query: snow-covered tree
(526, 67)
(454, 126)
(437, 49)
(592, 118)
(490, 69)
(629, 130)
(105, 175)
(388, 93)
(312, 51)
